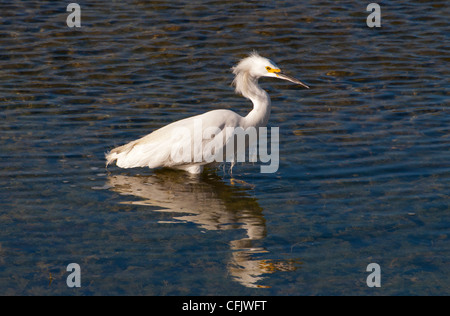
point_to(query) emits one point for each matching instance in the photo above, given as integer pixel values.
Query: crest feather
(244, 81)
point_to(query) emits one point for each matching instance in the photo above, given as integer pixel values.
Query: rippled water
(365, 162)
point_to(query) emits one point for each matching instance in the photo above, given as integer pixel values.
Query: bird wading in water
(159, 148)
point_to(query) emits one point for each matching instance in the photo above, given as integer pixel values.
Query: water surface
(365, 162)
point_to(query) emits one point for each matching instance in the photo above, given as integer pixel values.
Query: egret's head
(256, 66)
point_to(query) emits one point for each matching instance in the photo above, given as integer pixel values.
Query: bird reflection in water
(212, 204)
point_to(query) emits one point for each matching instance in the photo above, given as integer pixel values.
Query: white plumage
(157, 148)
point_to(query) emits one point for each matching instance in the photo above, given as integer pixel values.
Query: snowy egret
(157, 148)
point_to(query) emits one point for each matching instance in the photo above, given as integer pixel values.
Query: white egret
(156, 149)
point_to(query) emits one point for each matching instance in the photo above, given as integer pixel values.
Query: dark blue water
(364, 174)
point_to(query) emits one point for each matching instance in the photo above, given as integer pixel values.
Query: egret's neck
(259, 116)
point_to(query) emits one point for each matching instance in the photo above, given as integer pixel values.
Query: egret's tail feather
(118, 153)
(140, 153)
(110, 157)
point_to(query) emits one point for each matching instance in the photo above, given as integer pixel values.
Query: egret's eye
(268, 68)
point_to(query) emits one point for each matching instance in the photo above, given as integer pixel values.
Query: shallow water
(365, 162)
